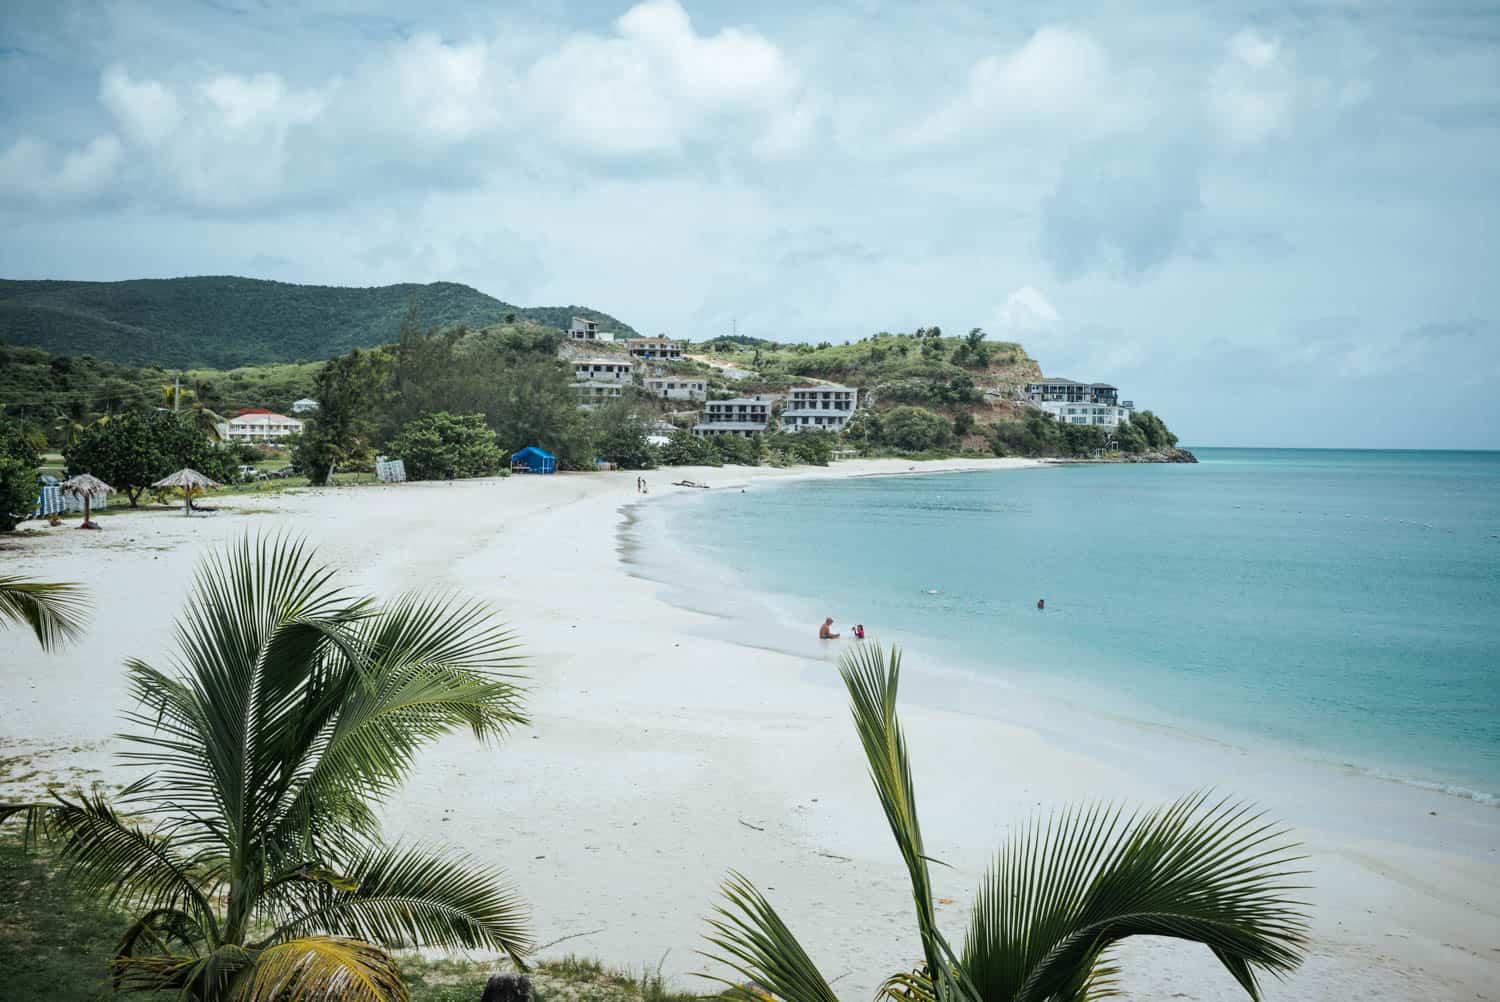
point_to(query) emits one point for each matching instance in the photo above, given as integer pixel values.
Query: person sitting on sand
(859, 632)
(824, 633)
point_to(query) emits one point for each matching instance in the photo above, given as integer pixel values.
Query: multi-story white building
(600, 379)
(584, 329)
(256, 424)
(653, 347)
(1057, 390)
(677, 387)
(304, 406)
(1103, 415)
(744, 416)
(824, 408)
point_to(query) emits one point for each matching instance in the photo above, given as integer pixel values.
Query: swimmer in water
(824, 633)
(1041, 603)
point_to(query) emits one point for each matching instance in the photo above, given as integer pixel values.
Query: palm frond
(318, 968)
(872, 678)
(108, 855)
(1065, 891)
(53, 610)
(757, 944)
(412, 897)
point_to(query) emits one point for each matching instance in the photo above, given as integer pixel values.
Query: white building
(744, 416)
(259, 425)
(677, 387)
(1057, 390)
(653, 347)
(1103, 415)
(584, 329)
(601, 379)
(304, 406)
(822, 408)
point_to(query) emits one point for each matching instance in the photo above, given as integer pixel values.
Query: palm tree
(53, 610)
(1058, 899)
(250, 851)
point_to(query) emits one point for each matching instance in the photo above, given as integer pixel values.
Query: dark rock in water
(507, 988)
(1175, 455)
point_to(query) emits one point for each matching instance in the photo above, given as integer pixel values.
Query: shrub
(687, 449)
(738, 450)
(443, 446)
(914, 429)
(137, 448)
(618, 432)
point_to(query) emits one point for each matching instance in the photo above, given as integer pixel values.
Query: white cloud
(30, 170)
(1061, 78)
(656, 85)
(1251, 93)
(1027, 312)
(449, 91)
(222, 142)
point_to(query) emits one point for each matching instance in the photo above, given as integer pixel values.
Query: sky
(1275, 224)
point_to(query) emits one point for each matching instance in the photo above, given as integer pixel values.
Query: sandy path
(661, 756)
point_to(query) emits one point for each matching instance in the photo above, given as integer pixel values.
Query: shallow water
(1343, 603)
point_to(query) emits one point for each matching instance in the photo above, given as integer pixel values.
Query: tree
(686, 449)
(21, 442)
(1154, 429)
(250, 852)
(18, 493)
(137, 448)
(443, 446)
(1130, 438)
(1058, 899)
(738, 450)
(914, 429)
(351, 390)
(534, 403)
(53, 610)
(963, 425)
(618, 431)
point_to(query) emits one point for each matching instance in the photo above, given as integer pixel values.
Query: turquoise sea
(1343, 603)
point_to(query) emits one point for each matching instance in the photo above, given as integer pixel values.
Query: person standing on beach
(824, 633)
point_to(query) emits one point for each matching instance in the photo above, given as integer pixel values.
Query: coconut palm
(53, 609)
(1058, 898)
(249, 852)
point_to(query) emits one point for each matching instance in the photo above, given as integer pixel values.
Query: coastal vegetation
(226, 321)
(133, 450)
(53, 610)
(1060, 897)
(249, 854)
(443, 446)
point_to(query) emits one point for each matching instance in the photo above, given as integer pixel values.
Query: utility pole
(176, 392)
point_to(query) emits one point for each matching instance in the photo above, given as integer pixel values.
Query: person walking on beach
(824, 633)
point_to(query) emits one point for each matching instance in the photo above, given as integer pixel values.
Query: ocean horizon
(1336, 603)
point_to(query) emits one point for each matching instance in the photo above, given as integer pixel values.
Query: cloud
(1027, 312)
(30, 170)
(1122, 208)
(1060, 78)
(1251, 93)
(221, 142)
(447, 91)
(656, 85)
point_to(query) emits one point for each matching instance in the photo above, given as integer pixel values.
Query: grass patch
(55, 945)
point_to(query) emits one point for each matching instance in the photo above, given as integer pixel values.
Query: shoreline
(664, 753)
(1147, 719)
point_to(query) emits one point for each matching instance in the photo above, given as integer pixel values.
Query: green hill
(223, 322)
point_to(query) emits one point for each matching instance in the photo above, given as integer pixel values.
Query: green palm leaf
(53, 610)
(758, 945)
(409, 896)
(1210, 872)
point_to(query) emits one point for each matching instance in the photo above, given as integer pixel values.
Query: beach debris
(749, 825)
(507, 987)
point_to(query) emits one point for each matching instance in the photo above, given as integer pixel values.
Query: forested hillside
(223, 322)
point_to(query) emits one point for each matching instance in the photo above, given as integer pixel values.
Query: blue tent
(534, 460)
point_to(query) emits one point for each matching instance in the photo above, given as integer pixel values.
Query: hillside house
(1057, 390)
(584, 329)
(601, 379)
(743, 416)
(822, 408)
(677, 387)
(654, 347)
(1103, 415)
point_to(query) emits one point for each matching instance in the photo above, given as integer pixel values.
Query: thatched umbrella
(85, 486)
(189, 480)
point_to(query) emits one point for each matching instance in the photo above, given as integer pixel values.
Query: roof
(585, 320)
(1102, 386)
(269, 417)
(1057, 379)
(603, 361)
(830, 387)
(764, 402)
(252, 410)
(532, 450)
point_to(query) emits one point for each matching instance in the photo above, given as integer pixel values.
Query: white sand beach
(666, 751)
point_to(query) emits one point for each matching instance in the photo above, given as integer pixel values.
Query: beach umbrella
(189, 480)
(85, 486)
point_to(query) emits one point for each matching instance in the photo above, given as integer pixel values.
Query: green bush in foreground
(445, 446)
(1059, 898)
(250, 852)
(135, 449)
